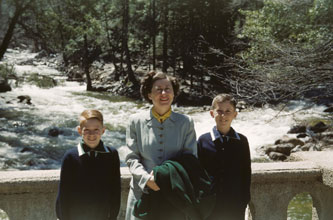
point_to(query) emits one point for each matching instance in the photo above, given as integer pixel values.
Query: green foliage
(41, 81)
(300, 207)
(280, 25)
(289, 48)
(7, 71)
(289, 21)
(322, 12)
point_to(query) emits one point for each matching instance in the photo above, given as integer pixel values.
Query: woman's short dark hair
(150, 78)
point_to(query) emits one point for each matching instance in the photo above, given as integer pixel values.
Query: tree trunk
(165, 37)
(112, 49)
(62, 38)
(154, 33)
(9, 34)
(0, 8)
(130, 73)
(86, 64)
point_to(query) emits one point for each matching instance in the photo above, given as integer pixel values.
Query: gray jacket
(150, 143)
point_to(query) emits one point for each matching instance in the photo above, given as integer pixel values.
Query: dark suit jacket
(89, 187)
(228, 163)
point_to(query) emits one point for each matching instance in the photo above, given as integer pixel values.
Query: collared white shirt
(82, 152)
(215, 134)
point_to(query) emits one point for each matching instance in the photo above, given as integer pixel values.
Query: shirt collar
(161, 118)
(83, 149)
(149, 117)
(215, 134)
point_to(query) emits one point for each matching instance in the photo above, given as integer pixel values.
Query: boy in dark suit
(90, 175)
(225, 155)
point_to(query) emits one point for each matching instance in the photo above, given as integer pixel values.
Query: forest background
(268, 51)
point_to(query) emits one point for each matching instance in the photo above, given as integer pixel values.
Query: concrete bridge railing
(30, 195)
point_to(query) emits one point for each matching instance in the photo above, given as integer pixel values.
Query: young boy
(90, 175)
(225, 155)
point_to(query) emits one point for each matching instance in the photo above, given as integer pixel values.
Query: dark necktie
(225, 139)
(92, 154)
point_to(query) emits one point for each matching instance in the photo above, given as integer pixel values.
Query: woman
(156, 135)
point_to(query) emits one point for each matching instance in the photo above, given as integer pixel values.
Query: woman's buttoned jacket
(150, 143)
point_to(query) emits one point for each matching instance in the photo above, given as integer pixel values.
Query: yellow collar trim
(161, 118)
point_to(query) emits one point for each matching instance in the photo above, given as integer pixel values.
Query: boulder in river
(277, 156)
(55, 132)
(329, 109)
(297, 129)
(288, 140)
(24, 99)
(4, 86)
(319, 127)
(280, 148)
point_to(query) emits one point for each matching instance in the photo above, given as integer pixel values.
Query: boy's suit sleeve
(63, 199)
(116, 186)
(247, 172)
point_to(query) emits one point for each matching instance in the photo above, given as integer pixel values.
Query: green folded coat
(185, 192)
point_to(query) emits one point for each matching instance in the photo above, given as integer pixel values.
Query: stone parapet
(31, 195)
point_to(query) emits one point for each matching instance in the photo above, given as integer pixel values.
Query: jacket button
(160, 158)
(160, 150)
(161, 135)
(161, 142)
(161, 128)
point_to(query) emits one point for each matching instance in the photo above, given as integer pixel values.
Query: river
(25, 142)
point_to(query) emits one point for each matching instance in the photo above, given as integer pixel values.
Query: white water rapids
(24, 139)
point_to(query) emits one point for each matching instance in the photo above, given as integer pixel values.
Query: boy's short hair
(90, 114)
(223, 98)
(151, 77)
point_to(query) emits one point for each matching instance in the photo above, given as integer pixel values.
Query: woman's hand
(151, 182)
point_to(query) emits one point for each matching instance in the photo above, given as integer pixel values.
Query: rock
(327, 137)
(297, 129)
(296, 149)
(241, 105)
(30, 162)
(262, 149)
(314, 147)
(319, 127)
(302, 135)
(285, 148)
(24, 99)
(75, 73)
(329, 109)
(101, 88)
(26, 149)
(41, 54)
(307, 146)
(4, 86)
(287, 140)
(268, 148)
(54, 132)
(327, 147)
(277, 156)
(280, 148)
